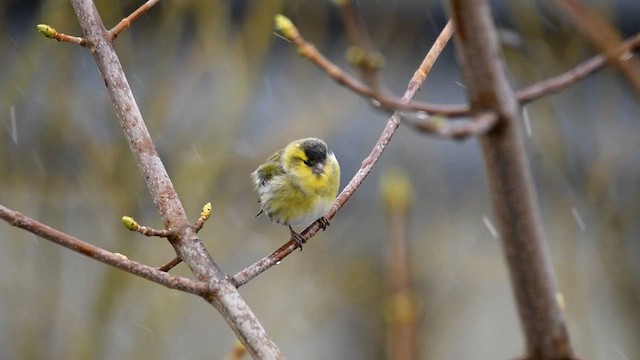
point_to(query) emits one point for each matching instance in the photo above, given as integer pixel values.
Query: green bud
(285, 26)
(47, 31)
(206, 211)
(129, 223)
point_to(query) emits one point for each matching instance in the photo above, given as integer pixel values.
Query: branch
(224, 296)
(604, 38)
(415, 83)
(525, 95)
(170, 264)
(510, 183)
(132, 225)
(361, 53)
(444, 128)
(566, 79)
(116, 260)
(287, 29)
(126, 22)
(52, 33)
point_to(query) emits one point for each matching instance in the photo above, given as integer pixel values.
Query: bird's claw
(323, 223)
(299, 239)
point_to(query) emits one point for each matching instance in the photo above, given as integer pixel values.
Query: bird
(298, 184)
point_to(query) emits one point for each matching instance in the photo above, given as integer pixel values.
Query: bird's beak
(318, 169)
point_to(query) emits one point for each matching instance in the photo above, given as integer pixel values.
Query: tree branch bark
(223, 296)
(119, 261)
(510, 183)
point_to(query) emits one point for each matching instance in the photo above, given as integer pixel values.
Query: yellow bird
(298, 184)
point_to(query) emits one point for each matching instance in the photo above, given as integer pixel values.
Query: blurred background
(219, 93)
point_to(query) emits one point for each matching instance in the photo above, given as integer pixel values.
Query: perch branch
(415, 83)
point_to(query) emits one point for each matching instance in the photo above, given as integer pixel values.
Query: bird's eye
(307, 162)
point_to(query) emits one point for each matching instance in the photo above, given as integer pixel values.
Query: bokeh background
(219, 93)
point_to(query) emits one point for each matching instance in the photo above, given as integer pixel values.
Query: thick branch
(186, 243)
(511, 186)
(415, 83)
(119, 261)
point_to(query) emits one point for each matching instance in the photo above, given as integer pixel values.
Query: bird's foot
(323, 223)
(297, 238)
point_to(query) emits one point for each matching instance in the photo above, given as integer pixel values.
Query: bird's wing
(265, 172)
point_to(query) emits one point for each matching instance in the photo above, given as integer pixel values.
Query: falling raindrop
(460, 84)
(578, 218)
(527, 123)
(14, 127)
(267, 84)
(196, 151)
(37, 159)
(490, 227)
(621, 353)
(281, 37)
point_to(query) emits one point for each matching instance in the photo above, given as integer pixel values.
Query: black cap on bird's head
(316, 152)
(315, 149)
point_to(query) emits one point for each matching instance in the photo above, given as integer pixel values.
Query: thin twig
(170, 264)
(427, 64)
(119, 261)
(287, 29)
(441, 127)
(126, 22)
(391, 103)
(362, 52)
(568, 78)
(604, 37)
(52, 33)
(560, 82)
(132, 225)
(416, 81)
